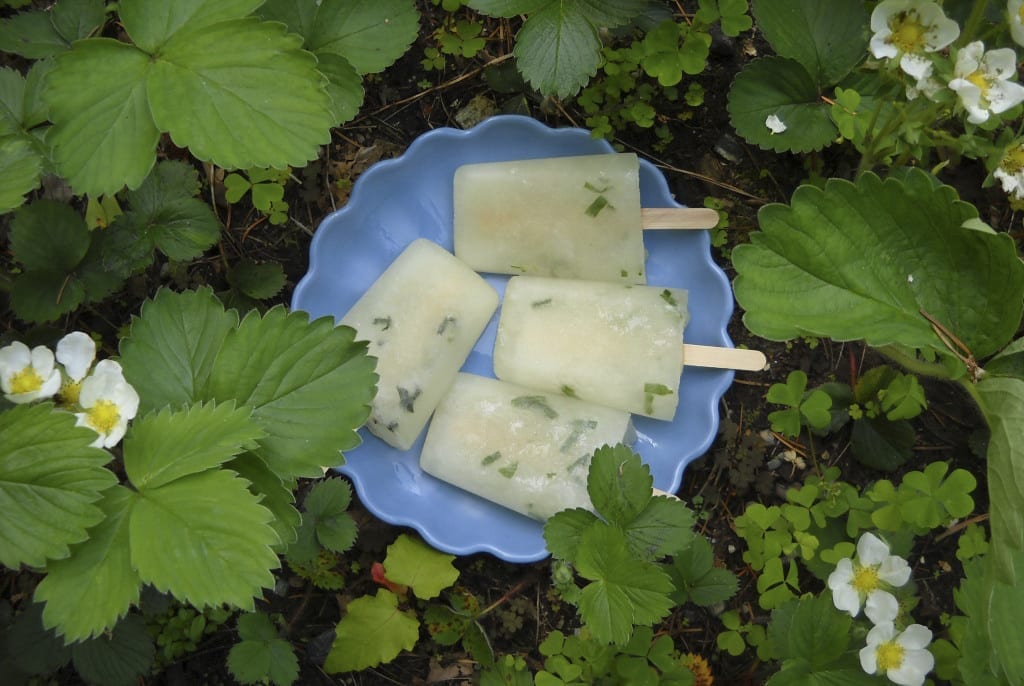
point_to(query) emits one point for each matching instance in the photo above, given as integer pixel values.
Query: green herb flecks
(569, 391)
(491, 459)
(667, 296)
(651, 390)
(384, 323)
(509, 470)
(579, 427)
(406, 399)
(535, 402)
(540, 303)
(446, 324)
(600, 202)
(581, 462)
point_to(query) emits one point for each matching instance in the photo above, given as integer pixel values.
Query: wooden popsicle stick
(678, 217)
(723, 358)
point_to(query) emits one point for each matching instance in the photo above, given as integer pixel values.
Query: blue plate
(399, 200)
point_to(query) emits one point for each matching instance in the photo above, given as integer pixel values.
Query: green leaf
(881, 444)
(861, 261)
(167, 445)
(259, 281)
(179, 334)
(507, 9)
(827, 37)
(373, 631)
(21, 167)
(86, 593)
(31, 35)
(208, 80)
(369, 34)
(812, 630)
(31, 647)
(310, 385)
(781, 87)
(557, 49)
(562, 531)
(326, 509)
(413, 563)
(204, 538)
(697, 579)
(619, 484)
(664, 527)
(165, 210)
(117, 658)
(1009, 361)
(623, 591)
(49, 236)
(50, 479)
(77, 19)
(103, 135)
(262, 656)
(273, 493)
(151, 24)
(1002, 402)
(344, 86)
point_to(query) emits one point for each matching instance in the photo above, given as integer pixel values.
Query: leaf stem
(936, 370)
(974, 20)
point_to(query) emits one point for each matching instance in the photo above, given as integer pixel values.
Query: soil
(705, 159)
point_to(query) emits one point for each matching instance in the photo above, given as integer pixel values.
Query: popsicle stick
(723, 358)
(678, 217)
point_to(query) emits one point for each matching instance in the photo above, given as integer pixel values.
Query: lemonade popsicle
(524, 449)
(576, 217)
(570, 217)
(421, 317)
(613, 344)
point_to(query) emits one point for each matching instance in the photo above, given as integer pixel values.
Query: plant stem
(935, 370)
(974, 20)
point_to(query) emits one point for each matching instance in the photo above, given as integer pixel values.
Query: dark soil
(705, 159)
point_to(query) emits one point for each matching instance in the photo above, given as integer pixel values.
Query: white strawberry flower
(865, 582)
(902, 656)
(27, 375)
(108, 403)
(982, 80)
(909, 30)
(1010, 171)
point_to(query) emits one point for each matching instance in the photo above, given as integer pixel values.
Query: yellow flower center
(865, 579)
(907, 33)
(1013, 160)
(979, 79)
(26, 381)
(69, 392)
(103, 416)
(1020, 14)
(890, 656)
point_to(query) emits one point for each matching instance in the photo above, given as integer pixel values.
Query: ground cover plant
(164, 418)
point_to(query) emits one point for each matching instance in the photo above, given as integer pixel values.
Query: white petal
(881, 47)
(1000, 63)
(871, 550)
(915, 636)
(884, 10)
(894, 571)
(869, 659)
(940, 31)
(880, 633)
(116, 433)
(108, 367)
(881, 607)
(76, 351)
(1016, 24)
(42, 360)
(1004, 95)
(968, 59)
(842, 575)
(14, 358)
(847, 599)
(911, 672)
(915, 65)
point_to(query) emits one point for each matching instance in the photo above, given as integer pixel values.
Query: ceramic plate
(399, 200)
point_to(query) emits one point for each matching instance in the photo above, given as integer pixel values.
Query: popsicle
(521, 448)
(613, 344)
(421, 318)
(571, 217)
